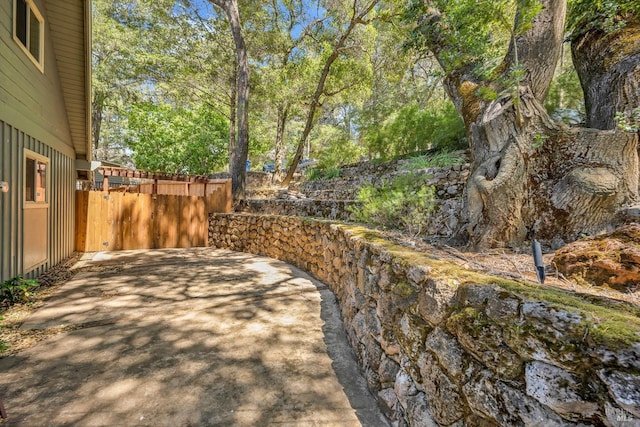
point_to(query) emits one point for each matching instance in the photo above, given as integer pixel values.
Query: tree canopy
(182, 54)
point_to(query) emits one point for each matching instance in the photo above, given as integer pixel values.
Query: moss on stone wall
(496, 341)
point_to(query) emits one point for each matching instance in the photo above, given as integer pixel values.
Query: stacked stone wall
(339, 210)
(441, 346)
(449, 181)
(335, 198)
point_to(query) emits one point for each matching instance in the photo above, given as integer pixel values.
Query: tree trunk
(531, 177)
(608, 65)
(97, 111)
(539, 49)
(238, 161)
(233, 96)
(283, 113)
(356, 18)
(544, 179)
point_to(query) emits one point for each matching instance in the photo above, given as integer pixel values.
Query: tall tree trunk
(608, 65)
(283, 113)
(233, 97)
(97, 112)
(239, 159)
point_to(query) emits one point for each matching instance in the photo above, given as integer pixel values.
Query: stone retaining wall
(449, 182)
(444, 221)
(333, 198)
(328, 209)
(441, 346)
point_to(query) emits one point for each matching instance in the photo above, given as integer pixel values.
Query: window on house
(28, 30)
(35, 190)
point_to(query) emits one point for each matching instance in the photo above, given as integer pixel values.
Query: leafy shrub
(320, 173)
(630, 121)
(176, 139)
(405, 203)
(16, 290)
(415, 129)
(337, 147)
(438, 159)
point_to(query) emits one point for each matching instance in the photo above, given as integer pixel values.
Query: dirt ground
(507, 263)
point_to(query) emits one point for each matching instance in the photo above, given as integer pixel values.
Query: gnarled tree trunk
(544, 179)
(608, 65)
(532, 177)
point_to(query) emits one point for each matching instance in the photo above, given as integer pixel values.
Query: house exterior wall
(30, 100)
(34, 117)
(61, 213)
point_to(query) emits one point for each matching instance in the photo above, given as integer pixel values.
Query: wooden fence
(120, 221)
(177, 188)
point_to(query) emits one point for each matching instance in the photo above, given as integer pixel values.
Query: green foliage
(468, 31)
(335, 147)
(438, 159)
(605, 15)
(474, 36)
(629, 122)
(177, 139)
(16, 290)
(320, 173)
(487, 93)
(415, 129)
(129, 53)
(405, 203)
(539, 140)
(565, 100)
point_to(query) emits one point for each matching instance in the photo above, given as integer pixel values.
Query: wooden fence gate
(119, 221)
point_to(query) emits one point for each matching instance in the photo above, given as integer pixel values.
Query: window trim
(29, 204)
(31, 7)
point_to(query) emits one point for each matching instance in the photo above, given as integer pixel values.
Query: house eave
(70, 24)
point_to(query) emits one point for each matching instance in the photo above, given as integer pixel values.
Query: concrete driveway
(197, 337)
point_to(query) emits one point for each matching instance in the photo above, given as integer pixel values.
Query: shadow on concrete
(196, 337)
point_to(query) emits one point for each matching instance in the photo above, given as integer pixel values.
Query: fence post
(229, 197)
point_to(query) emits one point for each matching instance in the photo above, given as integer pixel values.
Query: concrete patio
(196, 337)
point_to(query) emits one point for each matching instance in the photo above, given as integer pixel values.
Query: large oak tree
(605, 43)
(531, 177)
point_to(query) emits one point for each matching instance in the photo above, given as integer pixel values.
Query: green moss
(610, 323)
(470, 317)
(403, 289)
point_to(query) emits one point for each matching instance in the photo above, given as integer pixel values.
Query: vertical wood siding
(61, 188)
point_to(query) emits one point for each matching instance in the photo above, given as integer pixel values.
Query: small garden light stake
(537, 260)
